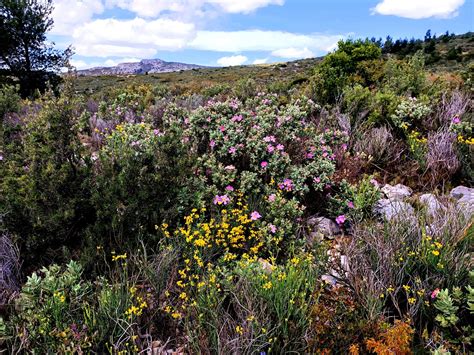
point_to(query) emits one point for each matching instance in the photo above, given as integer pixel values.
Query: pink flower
(350, 204)
(229, 167)
(341, 219)
(263, 164)
(232, 150)
(374, 182)
(212, 143)
(229, 188)
(309, 155)
(271, 198)
(286, 185)
(344, 146)
(237, 118)
(269, 139)
(270, 148)
(255, 215)
(434, 294)
(456, 120)
(221, 200)
(317, 180)
(272, 228)
(222, 128)
(280, 147)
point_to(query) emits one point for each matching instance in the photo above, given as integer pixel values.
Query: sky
(240, 32)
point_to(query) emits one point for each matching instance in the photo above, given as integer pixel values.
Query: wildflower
(406, 288)
(295, 261)
(268, 139)
(272, 228)
(255, 215)
(268, 285)
(263, 164)
(118, 257)
(237, 118)
(374, 182)
(411, 300)
(286, 185)
(280, 147)
(456, 120)
(341, 219)
(270, 148)
(239, 329)
(222, 128)
(271, 198)
(309, 155)
(434, 294)
(350, 204)
(317, 180)
(229, 188)
(212, 143)
(435, 252)
(221, 200)
(229, 167)
(232, 150)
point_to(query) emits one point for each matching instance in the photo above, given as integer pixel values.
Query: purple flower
(255, 215)
(270, 148)
(272, 228)
(340, 219)
(263, 164)
(1, 157)
(212, 143)
(229, 188)
(456, 120)
(269, 139)
(221, 200)
(309, 155)
(280, 147)
(286, 185)
(350, 204)
(232, 150)
(237, 118)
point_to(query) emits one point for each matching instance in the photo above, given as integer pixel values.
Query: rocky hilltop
(142, 67)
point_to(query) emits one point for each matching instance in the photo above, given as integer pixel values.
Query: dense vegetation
(190, 217)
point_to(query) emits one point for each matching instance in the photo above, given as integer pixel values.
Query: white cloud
(114, 62)
(257, 40)
(131, 38)
(418, 9)
(244, 6)
(260, 61)
(293, 53)
(67, 14)
(232, 60)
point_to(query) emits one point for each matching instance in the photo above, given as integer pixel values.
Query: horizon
(220, 33)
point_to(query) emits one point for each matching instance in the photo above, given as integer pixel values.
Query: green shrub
(9, 100)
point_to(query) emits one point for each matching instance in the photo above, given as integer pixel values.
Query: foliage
(24, 51)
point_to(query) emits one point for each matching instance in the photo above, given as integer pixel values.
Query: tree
(24, 51)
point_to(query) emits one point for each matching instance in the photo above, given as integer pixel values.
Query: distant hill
(144, 66)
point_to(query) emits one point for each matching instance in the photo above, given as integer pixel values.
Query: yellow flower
(406, 288)
(435, 252)
(295, 261)
(118, 257)
(411, 300)
(268, 285)
(176, 315)
(239, 330)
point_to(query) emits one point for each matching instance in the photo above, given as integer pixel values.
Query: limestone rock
(397, 192)
(393, 209)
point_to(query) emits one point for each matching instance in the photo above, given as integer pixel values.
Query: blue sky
(235, 32)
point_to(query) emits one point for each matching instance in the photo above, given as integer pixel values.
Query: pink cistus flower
(272, 228)
(222, 128)
(286, 185)
(434, 294)
(221, 200)
(350, 204)
(317, 180)
(255, 215)
(340, 219)
(232, 150)
(271, 198)
(212, 143)
(229, 188)
(237, 118)
(263, 164)
(270, 148)
(280, 147)
(269, 139)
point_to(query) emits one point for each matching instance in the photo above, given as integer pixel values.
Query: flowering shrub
(140, 176)
(247, 146)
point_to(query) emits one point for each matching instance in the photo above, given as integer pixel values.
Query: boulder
(393, 209)
(397, 192)
(465, 199)
(322, 227)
